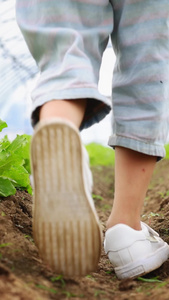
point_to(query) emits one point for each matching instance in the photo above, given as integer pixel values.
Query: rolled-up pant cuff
(137, 145)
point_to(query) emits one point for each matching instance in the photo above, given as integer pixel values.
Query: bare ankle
(127, 220)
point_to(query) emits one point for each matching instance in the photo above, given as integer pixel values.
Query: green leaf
(17, 144)
(6, 187)
(21, 146)
(14, 163)
(97, 197)
(155, 279)
(4, 143)
(19, 175)
(7, 160)
(59, 278)
(69, 294)
(26, 153)
(43, 287)
(29, 189)
(5, 245)
(2, 125)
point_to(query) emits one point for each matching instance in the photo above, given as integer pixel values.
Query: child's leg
(141, 114)
(133, 171)
(140, 102)
(73, 110)
(67, 39)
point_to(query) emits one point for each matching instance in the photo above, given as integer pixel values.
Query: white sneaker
(65, 224)
(134, 253)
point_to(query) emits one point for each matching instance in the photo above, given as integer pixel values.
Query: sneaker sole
(65, 227)
(144, 266)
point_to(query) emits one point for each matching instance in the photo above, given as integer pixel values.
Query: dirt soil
(23, 276)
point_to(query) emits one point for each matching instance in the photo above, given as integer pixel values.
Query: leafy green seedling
(162, 194)
(155, 279)
(106, 207)
(69, 294)
(160, 285)
(16, 250)
(14, 163)
(109, 272)
(43, 287)
(90, 277)
(29, 238)
(5, 245)
(139, 289)
(99, 292)
(153, 215)
(59, 278)
(3, 214)
(97, 197)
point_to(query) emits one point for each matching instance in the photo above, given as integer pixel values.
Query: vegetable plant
(14, 163)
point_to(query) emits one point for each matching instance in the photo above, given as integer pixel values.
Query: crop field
(24, 276)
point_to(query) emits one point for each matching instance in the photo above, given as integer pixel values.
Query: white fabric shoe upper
(88, 180)
(87, 172)
(128, 248)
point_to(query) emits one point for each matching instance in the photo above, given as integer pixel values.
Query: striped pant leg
(67, 39)
(141, 75)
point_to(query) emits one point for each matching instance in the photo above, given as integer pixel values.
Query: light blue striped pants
(67, 39)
